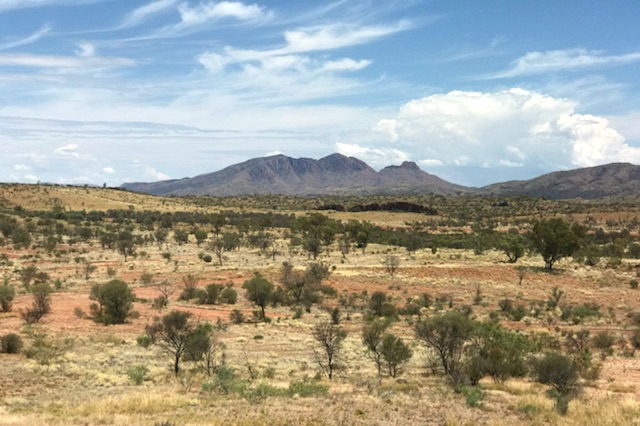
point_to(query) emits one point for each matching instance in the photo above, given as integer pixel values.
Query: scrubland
(74, 370)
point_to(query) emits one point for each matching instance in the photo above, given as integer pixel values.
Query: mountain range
(337, 174)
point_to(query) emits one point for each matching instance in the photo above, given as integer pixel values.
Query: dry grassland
(84, 378)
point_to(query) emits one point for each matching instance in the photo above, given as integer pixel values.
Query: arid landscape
(76, 367)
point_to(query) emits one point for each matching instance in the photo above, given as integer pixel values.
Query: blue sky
(476, 92)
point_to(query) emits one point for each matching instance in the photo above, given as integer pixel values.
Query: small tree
(174, 332)
(446, 334)
(126, 244)
(313, 246)
(303, 286)
(513, 247)
(372, 334)
(391, 263)
(259, 291)
(200, 236)
(497, 352)
(376, 303)
(330, 338)
(561, 373)
(181, 236)
(114, 302)
(31, 274)
(395, 352)
(554, 239)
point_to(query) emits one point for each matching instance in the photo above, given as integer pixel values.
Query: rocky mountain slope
(335, 174)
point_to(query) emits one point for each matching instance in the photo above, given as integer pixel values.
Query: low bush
(137, 374)
(10, 343)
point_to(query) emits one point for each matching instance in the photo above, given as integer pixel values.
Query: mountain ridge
(337, 174)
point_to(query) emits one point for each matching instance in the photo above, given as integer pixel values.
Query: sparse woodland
(120, 308)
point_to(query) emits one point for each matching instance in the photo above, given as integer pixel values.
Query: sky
(474, 91)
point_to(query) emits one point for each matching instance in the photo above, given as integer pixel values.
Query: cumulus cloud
(510, 128)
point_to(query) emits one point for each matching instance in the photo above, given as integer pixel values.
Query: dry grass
(87, 383)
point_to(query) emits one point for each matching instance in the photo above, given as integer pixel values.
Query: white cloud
(70, 150)
(86, 50)
(346, 64)
(562, 60)
(32, 38)
(153, 174)
(335, 36)
(108, 170)
(217, 10)
(143, 12)
(430, 163)
(510, 128)
(375, 157)
(25, 4)
(69, 62)
(307, 40)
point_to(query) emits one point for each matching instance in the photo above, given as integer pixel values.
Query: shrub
(497, 352)
(10, 343)
(395, 352)
(473, 396)
(7, 294)
(213, 293)
(633, 284)
(41, 303)
(145, 341)
(236, 316)
(190, 289)
(447, 334)
(506, 305)
(137, 374)
(304, 389)
(561, 373)
(603, 340)
(114, 302)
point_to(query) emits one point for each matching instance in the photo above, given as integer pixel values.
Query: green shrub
(7, 294)
(229, 295)
(114, 302)
(473, 396)
(633, 284)
(144, 340)
(137, 374)
(306, 389)
(10, 343)
(561, 373)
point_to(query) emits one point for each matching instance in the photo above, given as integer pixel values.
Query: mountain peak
(335, 174)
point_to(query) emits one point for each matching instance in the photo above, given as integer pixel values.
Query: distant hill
(335, 174)
(616, 179)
